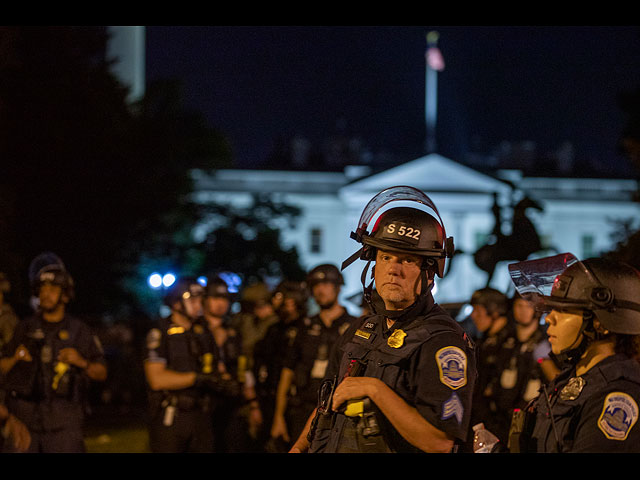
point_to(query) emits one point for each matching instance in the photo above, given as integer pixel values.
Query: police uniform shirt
(231, 356)
(181, 349)
(270, 351)
(44, 340)
(594, 413)
(309, 354)
(428, 361)
(520, 376)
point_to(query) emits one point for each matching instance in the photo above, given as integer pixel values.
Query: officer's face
(325, 294)
(193, 306)
(50, 296)
(481, 318)
(523, 311)
(564, 330)
(289, 307)
(397, 278)
(216, 306)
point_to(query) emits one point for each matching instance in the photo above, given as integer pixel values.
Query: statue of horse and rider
(517, 245)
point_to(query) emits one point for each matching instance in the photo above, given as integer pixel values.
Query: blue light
(202, 281)
(168, 279)
(232, 280)
(155, 280)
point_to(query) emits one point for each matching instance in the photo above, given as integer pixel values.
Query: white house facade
(579, 215)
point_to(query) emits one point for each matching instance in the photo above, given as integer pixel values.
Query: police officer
(181, 375)
(306, 362)
(489, 315)
(270, 351)
(49, 363)
(592, 406)
(235, 418)
(522, 366)
(404, 376)
(257, 313)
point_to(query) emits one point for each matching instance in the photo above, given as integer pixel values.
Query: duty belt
(187, 403)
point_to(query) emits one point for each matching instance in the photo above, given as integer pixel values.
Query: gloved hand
(216, 383)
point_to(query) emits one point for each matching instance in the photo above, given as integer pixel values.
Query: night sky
(544, 84)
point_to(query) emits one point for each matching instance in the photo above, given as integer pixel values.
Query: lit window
(316, 240)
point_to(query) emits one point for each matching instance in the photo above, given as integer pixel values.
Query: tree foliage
(84, 174)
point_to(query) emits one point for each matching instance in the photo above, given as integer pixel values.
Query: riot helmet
(403, 229)
(183, 289)
(297, 291)
(494, 301)
(47, 267)
(324, 273)
(217, 287)
(406, 229)
(609, 290)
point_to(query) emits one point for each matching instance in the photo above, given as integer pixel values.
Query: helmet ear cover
(602, 297)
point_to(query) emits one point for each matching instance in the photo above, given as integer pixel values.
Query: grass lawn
(113, 433)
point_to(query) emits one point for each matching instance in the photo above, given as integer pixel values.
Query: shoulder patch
(619, 415)
(452, 364)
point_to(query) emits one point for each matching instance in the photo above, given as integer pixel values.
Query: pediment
(431, 173)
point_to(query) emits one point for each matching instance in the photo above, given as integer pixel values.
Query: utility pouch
(520, 432)
(323, 417)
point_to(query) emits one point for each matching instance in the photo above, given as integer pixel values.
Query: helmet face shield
(610, 290)
(421, 232)
(400, 193)
(559, 282)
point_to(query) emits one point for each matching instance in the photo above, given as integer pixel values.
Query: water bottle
(483, 439)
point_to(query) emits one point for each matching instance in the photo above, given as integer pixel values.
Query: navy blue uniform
(515, 379)
(308, 358)
(427, 360)
(593, 413)
(230, 430)
(180, 420)
(268, 358)
(49, 396)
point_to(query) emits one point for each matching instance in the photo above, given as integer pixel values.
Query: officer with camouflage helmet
(400, 380)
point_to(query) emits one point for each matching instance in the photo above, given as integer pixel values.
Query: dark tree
(84, 174)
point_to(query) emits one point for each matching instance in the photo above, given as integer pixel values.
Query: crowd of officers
(294, 371)
(217, 381)
(225, 383)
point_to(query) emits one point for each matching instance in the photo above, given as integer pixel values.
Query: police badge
(572, 389)
(396, 340)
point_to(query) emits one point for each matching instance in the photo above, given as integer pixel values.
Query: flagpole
(431, 90)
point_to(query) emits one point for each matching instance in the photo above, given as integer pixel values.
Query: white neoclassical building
(579, 215)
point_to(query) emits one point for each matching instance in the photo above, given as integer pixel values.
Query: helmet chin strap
(570, 356)
(397, 315)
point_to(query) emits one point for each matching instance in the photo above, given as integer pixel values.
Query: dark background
(545, 84)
